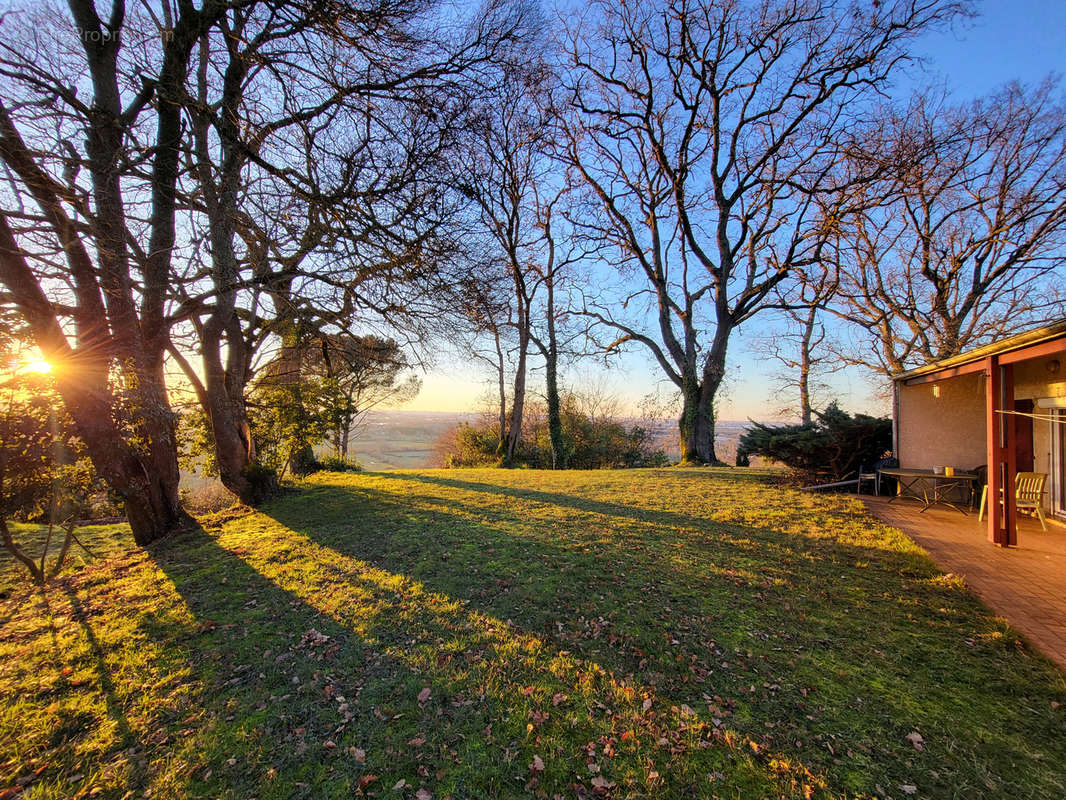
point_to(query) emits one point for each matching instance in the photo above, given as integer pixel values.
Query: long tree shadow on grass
(345, 651)
(264, 658)
(810, 649)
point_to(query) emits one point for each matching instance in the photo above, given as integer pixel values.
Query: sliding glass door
(1058, 462)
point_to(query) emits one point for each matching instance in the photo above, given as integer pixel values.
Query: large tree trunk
(697, 422)
(231, 432)
(146, 476)
(224, 383)
(691, 428)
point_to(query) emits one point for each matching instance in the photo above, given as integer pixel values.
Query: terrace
(1024, 584)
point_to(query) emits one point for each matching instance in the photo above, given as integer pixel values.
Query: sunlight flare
(39, 366)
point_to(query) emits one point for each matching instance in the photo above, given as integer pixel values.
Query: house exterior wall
(944, 431)
(949, 430)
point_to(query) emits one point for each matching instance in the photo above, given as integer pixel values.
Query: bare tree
(708, 132)
(72, 225)
(804, 348)
(317, 159)
(562, 253)
(505, 167)
(961, 239)
(486, 317)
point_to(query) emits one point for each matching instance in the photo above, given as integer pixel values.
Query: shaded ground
(650, 633)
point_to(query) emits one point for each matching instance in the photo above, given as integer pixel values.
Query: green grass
(651, 633)
(105, 541)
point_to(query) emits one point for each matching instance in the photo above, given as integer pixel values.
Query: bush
(339, 464)
(593, 440)
(833, 448)
(470, 445)
(46, 475)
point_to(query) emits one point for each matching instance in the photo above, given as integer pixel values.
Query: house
(1002, 405)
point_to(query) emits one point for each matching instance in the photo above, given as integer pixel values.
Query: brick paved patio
(1025, 584)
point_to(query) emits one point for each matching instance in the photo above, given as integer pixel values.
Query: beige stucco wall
(944, 431)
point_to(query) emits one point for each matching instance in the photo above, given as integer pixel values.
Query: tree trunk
(805, 367)
(344, 429)
(697, 423)
(225, 383)
(501, 378)
(36, 573)
(145, 477)
(230, 430)
(514, 434)
(551, 380)
(692, 427)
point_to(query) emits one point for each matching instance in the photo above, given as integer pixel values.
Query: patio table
(930, 488)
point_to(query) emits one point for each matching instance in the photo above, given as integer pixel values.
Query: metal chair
(1028, 495)
(875, 475)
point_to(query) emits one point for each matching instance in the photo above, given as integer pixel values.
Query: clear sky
(1021, 40)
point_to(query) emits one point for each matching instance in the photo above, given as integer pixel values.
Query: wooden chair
(1028, 495)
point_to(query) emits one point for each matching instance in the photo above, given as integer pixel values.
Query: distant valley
(400, 439)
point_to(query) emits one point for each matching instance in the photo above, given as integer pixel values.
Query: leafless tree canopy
(221, 176)
(960, 239)
(709, 133)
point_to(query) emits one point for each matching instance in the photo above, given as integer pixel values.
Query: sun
(41, 367)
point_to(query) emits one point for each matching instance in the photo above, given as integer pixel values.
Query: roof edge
(1026, 339)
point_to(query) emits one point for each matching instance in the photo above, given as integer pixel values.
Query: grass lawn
(481, 633)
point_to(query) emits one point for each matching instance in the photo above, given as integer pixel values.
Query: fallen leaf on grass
(358, 754)
(366, 780)
(424, 695)
(537, 765)
(908, 788)
(423, 794)
(399, 784)
(916, 739)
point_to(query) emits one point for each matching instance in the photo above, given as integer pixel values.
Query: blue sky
(1022, 40)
